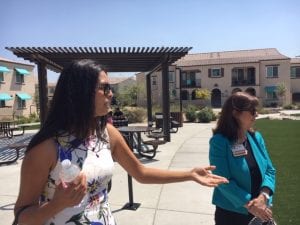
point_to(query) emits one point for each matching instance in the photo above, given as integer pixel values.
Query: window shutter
(222, 72)
(209, 72)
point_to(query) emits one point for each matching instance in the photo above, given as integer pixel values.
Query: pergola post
(166, 100)
(149, 97)
(43, 90)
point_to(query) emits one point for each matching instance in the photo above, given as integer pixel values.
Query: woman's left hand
(205, 177)
(258, 208)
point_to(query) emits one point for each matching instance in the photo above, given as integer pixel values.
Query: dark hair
(73, 104)
(227, 124)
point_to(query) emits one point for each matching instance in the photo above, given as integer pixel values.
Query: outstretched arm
(124, 156)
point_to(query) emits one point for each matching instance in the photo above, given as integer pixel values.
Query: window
(21, 104)
(243, 76)
(215, 72)
(295, 72)
(271, 71)
(188, 79)
(184, 95)
(171, 76)
(19, 78)
(271, 95)
(154, 80)
(2, 104)
(1, 77)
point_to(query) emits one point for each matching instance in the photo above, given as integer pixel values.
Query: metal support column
(166, 100)
(149, 98)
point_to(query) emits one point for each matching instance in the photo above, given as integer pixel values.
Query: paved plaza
(169, 204)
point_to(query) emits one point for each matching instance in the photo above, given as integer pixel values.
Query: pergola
(115, 59)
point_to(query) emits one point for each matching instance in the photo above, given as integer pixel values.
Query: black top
(256, 178)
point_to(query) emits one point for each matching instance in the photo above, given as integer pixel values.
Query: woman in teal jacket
(240, 155)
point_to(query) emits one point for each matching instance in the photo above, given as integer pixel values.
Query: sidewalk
(170, 204)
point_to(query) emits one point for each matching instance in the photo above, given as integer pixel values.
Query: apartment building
(295, 80)
(258, 72)
(16, 89)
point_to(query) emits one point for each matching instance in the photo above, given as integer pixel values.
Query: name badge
(238, 150)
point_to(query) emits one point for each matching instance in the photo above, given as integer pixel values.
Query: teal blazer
(234, 195)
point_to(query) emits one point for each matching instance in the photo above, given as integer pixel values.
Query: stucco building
(258, 71)
(17, 89)
(295, 80)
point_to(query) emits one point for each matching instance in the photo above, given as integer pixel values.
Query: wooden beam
(43, 90)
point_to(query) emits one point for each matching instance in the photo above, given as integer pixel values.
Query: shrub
(190, 113)
(206, 115)
(32, 118)
(290, 106)
(135, 114)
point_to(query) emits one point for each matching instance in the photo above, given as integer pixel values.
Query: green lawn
(282, 139)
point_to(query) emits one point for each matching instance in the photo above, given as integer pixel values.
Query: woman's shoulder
(219, 138)
(44, 153)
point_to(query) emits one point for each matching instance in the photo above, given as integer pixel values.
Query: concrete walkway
(170, 204)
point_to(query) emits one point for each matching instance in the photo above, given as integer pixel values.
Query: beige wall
(224, 84)
(283, 77)
(10, 87)
(295, 82)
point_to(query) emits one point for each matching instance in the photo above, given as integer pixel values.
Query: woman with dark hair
(76, 131)
(240, 155)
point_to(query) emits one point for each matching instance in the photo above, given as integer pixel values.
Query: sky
(207, 26)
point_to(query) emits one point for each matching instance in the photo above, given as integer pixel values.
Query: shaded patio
(115, 59)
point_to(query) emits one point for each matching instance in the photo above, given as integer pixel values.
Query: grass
(282, 139)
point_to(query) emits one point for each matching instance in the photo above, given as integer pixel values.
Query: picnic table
(10, 148)
(8, 128)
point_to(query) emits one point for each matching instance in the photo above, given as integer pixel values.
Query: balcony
(191, 83)
(236, 83)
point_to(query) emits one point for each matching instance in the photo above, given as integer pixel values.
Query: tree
(202, 94)
(128, 96)
(281, 91)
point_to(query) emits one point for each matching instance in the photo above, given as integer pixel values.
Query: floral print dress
(93, 156)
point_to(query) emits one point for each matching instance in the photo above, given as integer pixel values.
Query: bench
(10, 150)
(159, 123)
(151, 153)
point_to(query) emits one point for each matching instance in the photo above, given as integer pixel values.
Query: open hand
(205, 177)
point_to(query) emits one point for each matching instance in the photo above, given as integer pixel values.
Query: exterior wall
(10, 87)
(295, 82)
(283, 77)
(225, 85)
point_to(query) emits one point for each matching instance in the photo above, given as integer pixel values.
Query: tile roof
(295, 61)
(11, 61)
(228, 57)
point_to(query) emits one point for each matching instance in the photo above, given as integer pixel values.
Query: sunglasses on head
(252, 111)
(105, 87)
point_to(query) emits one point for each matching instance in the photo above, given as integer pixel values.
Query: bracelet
(266, 195)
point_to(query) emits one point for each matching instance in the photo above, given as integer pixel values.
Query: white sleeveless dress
(94, 158)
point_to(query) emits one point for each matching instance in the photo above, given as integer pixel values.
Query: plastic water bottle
(68, 171)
